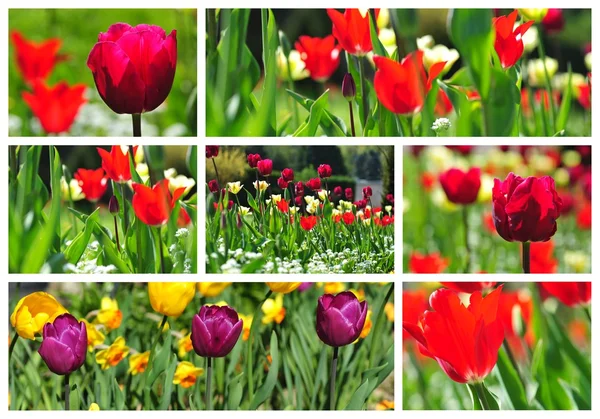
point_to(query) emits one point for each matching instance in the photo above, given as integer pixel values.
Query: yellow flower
(139, 153)
(571, 158)
(94, 407)
(533, 14)
(360, 294)
(212, 289)
(425, 42)
(186, 374)
(138, 363)
(368, 325)
(561, 176)
(296, 69)
(246, 323)
(179, 181)
(112, 355)
(275, 198)
(530, 39)
(33, 312)
(438, 54)
(322, 194)
(283, 287)
(383, 19)
(171, 298)
(576, 261)
(260, 185)
(109, 314)
(312, 207)
(243, 211)
(485, 191)
(537, 73)
(334, 287)
(76, 193)
(588, 60)
(184, 345)
(389, 311)
(143, 171)
(273, 310)
(385, 405)
(234, 187)
(94, 336)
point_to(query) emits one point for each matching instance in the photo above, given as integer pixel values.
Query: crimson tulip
(463, 340)
(468, 287)
(287, 175)
(461, 187)
(569, 293)
(134, 67)
(299, 188)
(554, 21)
(349, 194)
(213, 185)
(215, 331)
(348, 218)
(264, 167)
(153, 206)
(320, 55)
(253, 160)
(36, 60)
(93, 183)
(525, 209)
(64, 344)
(337, 191)
(584, 217)
(509, 40)
(56, 107)
(212, 151)
(324, 171)
(542, 261)
(352, 30)
(367, 192)
(403, 86)
(116, 163)
(432, 263)
(314, 184)
(340, 318)
(308, 223)
(282, 183)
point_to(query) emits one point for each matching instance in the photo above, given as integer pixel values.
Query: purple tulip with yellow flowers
(340, 320)
(64, 347)
(215, 331)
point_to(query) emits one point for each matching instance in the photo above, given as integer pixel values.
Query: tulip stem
(334, 361)
(117, 235)
(481, 394)
(125, 219)
(363, 94)
(13, 342)
(67, 392)
(465, 214)
(255, 320)
(217, 172)
(513, 361)
(209, 369)
(137, 124)
(351, 118)
(586, 309)
(526, 258)
(542, 54)
(160, 249)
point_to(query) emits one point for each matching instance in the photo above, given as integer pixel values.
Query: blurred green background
(78, 29)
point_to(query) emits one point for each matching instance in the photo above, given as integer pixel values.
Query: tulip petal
(201, 338)
(58, 357)
(340, 331)
(226, 343)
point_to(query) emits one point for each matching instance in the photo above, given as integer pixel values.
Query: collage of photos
(513, 85)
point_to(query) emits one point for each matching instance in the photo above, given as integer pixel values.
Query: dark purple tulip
(340, 318)
(65, 344)
(215, 331)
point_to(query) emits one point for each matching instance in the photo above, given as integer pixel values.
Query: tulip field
(398, 72)
(483, 209)
(109, 72)
(92, 210)
(201, 346)
(264, 217)
(492, 346)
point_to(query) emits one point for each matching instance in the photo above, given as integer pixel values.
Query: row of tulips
(215, 333)
(510, 344)
(307, 219)
(133, 243)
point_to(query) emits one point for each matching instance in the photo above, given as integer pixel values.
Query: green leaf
(118, 395)
(75, 249)
(161, 361)
(565, 106)
(511, 382)
(74, 397)
(192, 160)
(491, 398)
(310, 126)
(165, 398)
(331, 125)
(500, 108)
(235, 391)
(359, 397)
(264, 392)
(378, 48)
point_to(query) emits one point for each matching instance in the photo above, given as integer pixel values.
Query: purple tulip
(305, 286)
(340, 318)
(215, 331)
(65, 344)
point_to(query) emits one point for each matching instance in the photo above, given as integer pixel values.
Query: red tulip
(337, 191)
(348, 218)
(320, 55)
(153, 206)
(36, 59)
(56, 107)
(212, 151)
(299, 188)
(509, 41)
(428, 181)
(116, 163)
(283, 206)
(427, 264)
(349, 194)
(584, 217)
(569, 293)
(584, 95)
(554, 21)
(443, 104)
(468, 287)
(463, 340)
(134, 67)
(183, 219)
(287, 175)
(541, 260)
(402, 87)
(314, 184)
(352, 30)
(512, 302)
(414, 304)
(367, 192)
(93, 183)
(461, 187)
(308, 223)
(324, 171)
(525, 209)
(213, 186)
(264, 167)
(282, 183)
(253, 160)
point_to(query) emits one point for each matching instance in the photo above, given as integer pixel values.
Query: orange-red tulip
(36, 59)
(569, 293)
(433, 263)
(352, 30)
(153, 206)
(509, 40)
(116, 163)
(93, 183)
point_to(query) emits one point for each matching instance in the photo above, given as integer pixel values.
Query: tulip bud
(215, 331)
(340, 318)
(64, 346)
(348, 87)
(286, 47)
(113, 205)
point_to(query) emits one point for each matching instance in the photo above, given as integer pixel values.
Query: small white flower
(441, 125)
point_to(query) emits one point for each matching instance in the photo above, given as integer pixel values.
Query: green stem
(146, 388)
(125, 219)
(542, 54)
(290, 99)
(513, 361)
(160, 248)
(14, 165)
(481, 394)
(13, 342)
(351, 118)
(212, 30)
(218, 177)
(586, 309)
(465, 214)
(209, 370)
(332, 377)
(137, 124)
(526, 257)
(117, 235)
(67, 393)
(365, 101)
(255, 321)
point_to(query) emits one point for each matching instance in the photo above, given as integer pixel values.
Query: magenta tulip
(65, 344)
(215, 331)
(134, 67)
(340, 318)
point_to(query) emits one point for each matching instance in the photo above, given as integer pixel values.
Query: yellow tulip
(260, 185)
(234, 187)
(184, 345)
(247, 322)
(94, 336)
(534, 14)
(94, 407)
(385, 405)
(368, 325)
(109, 314)
(33, 312)
(112, 355)
(186, 374)
(360, 294)
(283, 287)
(212, 289)
(333, 287)
(273, 310)
(170, 298)
(71, 191)
(138, 363)
(389, 311)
